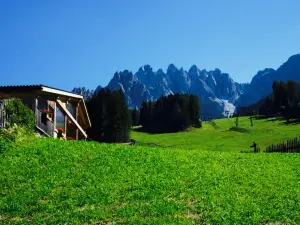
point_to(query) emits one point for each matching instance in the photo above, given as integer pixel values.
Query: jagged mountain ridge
(86, 93)
(217, 91)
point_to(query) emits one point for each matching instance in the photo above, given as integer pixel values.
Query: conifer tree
(110, 117)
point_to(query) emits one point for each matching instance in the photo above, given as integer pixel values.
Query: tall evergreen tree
(110, 117)
(170, 114)
(135, 117)
(195, 110)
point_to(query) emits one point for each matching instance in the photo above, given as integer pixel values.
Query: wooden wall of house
(34, 101)
(46, 126)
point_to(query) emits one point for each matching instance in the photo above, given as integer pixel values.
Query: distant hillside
(261, 84)
(219, 93)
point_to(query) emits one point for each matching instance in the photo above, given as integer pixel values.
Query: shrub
(12, 135)
(214, 125)
(19, 114)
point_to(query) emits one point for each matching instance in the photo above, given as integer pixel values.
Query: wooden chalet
(58, 113)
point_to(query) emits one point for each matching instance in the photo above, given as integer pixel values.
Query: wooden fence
(291, 146)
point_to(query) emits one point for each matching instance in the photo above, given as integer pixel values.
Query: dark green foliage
(110, 117)
(171, 114)
(195, 110)
(135, 117)
(147, 113)
(284, 100)
(17, 113)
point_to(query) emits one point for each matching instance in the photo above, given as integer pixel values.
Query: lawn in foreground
(65, 182)
(220, 138)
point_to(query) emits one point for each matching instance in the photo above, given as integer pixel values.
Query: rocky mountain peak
(86, 93)
(145, 68)
(160, 71)
(194, 73)
(194, 70)
(217, 90)
(172, 69)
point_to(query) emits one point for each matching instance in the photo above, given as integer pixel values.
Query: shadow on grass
(240, 130)
(143, 130)
(291, 122)
(263, 117)
(277, 117)
(284, 120)
(151, 144)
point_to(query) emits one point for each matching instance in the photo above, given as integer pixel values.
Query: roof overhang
(49, 90)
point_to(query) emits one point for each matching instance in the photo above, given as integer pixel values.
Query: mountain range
(219, 94)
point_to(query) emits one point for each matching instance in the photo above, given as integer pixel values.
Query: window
(60, 118)
(42, 104)
(72, 109)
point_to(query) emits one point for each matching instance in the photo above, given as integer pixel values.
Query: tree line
(284, 99)
(170, 113)
(110, 116)
(112, 120)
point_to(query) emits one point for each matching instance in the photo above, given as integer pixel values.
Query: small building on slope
(58, 113)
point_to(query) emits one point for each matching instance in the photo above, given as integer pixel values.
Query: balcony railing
(46, 126)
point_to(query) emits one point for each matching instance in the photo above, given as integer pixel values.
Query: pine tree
(170, 114)
(110, 117)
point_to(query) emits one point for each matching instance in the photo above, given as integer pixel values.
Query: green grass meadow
(202, 179)
(223, 136)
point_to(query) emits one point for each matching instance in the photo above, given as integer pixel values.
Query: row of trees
(110, 117)
(284, 99)
(171, 113)
(135, 117)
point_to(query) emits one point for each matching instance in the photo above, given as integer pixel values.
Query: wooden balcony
(47, 127)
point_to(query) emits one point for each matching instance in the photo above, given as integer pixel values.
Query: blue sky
(70, 43)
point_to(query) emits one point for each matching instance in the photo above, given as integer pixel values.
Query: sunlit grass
(66, 182)
(221, 138)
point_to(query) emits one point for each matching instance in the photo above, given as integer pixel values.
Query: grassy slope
(264, 132)
(64, 182)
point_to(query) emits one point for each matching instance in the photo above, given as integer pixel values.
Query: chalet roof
(37, 87)
(44, 88)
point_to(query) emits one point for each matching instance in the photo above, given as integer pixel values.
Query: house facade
(58, 113)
